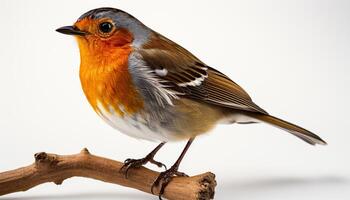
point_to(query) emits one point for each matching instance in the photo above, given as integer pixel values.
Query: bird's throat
(106, 81)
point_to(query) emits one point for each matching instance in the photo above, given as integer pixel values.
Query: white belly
(134, 126)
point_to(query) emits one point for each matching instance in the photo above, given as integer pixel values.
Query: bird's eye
(106, 27)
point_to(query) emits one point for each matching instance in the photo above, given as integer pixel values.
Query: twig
(56, 168)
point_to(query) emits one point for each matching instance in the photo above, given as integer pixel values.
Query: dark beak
(71, 30)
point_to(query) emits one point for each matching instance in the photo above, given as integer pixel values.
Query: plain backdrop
(293, 57)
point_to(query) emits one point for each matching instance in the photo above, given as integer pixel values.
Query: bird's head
(106, 38)
(103, 31)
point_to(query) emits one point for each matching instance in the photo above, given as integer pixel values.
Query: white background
(293, 58)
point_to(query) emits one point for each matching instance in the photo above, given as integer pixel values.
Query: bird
(149, 87)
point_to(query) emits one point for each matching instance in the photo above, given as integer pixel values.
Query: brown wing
(186, 74)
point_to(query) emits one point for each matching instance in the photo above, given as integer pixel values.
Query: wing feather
(190, 77)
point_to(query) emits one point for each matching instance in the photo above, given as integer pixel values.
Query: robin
(149, 87)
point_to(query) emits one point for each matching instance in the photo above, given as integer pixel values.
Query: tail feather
(298, 131)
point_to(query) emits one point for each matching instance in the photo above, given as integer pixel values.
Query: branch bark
(57, 168)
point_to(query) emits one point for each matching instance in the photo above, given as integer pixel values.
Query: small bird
(149, 87)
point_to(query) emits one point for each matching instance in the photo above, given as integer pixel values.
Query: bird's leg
(136, 163)
(165, 177)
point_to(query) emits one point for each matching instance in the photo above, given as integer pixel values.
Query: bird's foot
(137, 163)
(164, 179)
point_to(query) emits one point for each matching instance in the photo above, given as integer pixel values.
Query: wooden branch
(57, 168)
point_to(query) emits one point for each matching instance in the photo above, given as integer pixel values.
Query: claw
(159, 164)
(136, 163)
(131, 163)
(164, 179)
(181, 174)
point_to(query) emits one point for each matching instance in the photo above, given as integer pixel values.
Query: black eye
(106, 27)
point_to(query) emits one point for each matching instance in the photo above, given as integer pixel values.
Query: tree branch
(57, 168)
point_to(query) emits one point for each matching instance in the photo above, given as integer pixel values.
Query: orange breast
(105, 77)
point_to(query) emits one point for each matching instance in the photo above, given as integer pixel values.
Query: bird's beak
(71, 30)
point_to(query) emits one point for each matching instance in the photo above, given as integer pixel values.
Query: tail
(301, 133)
